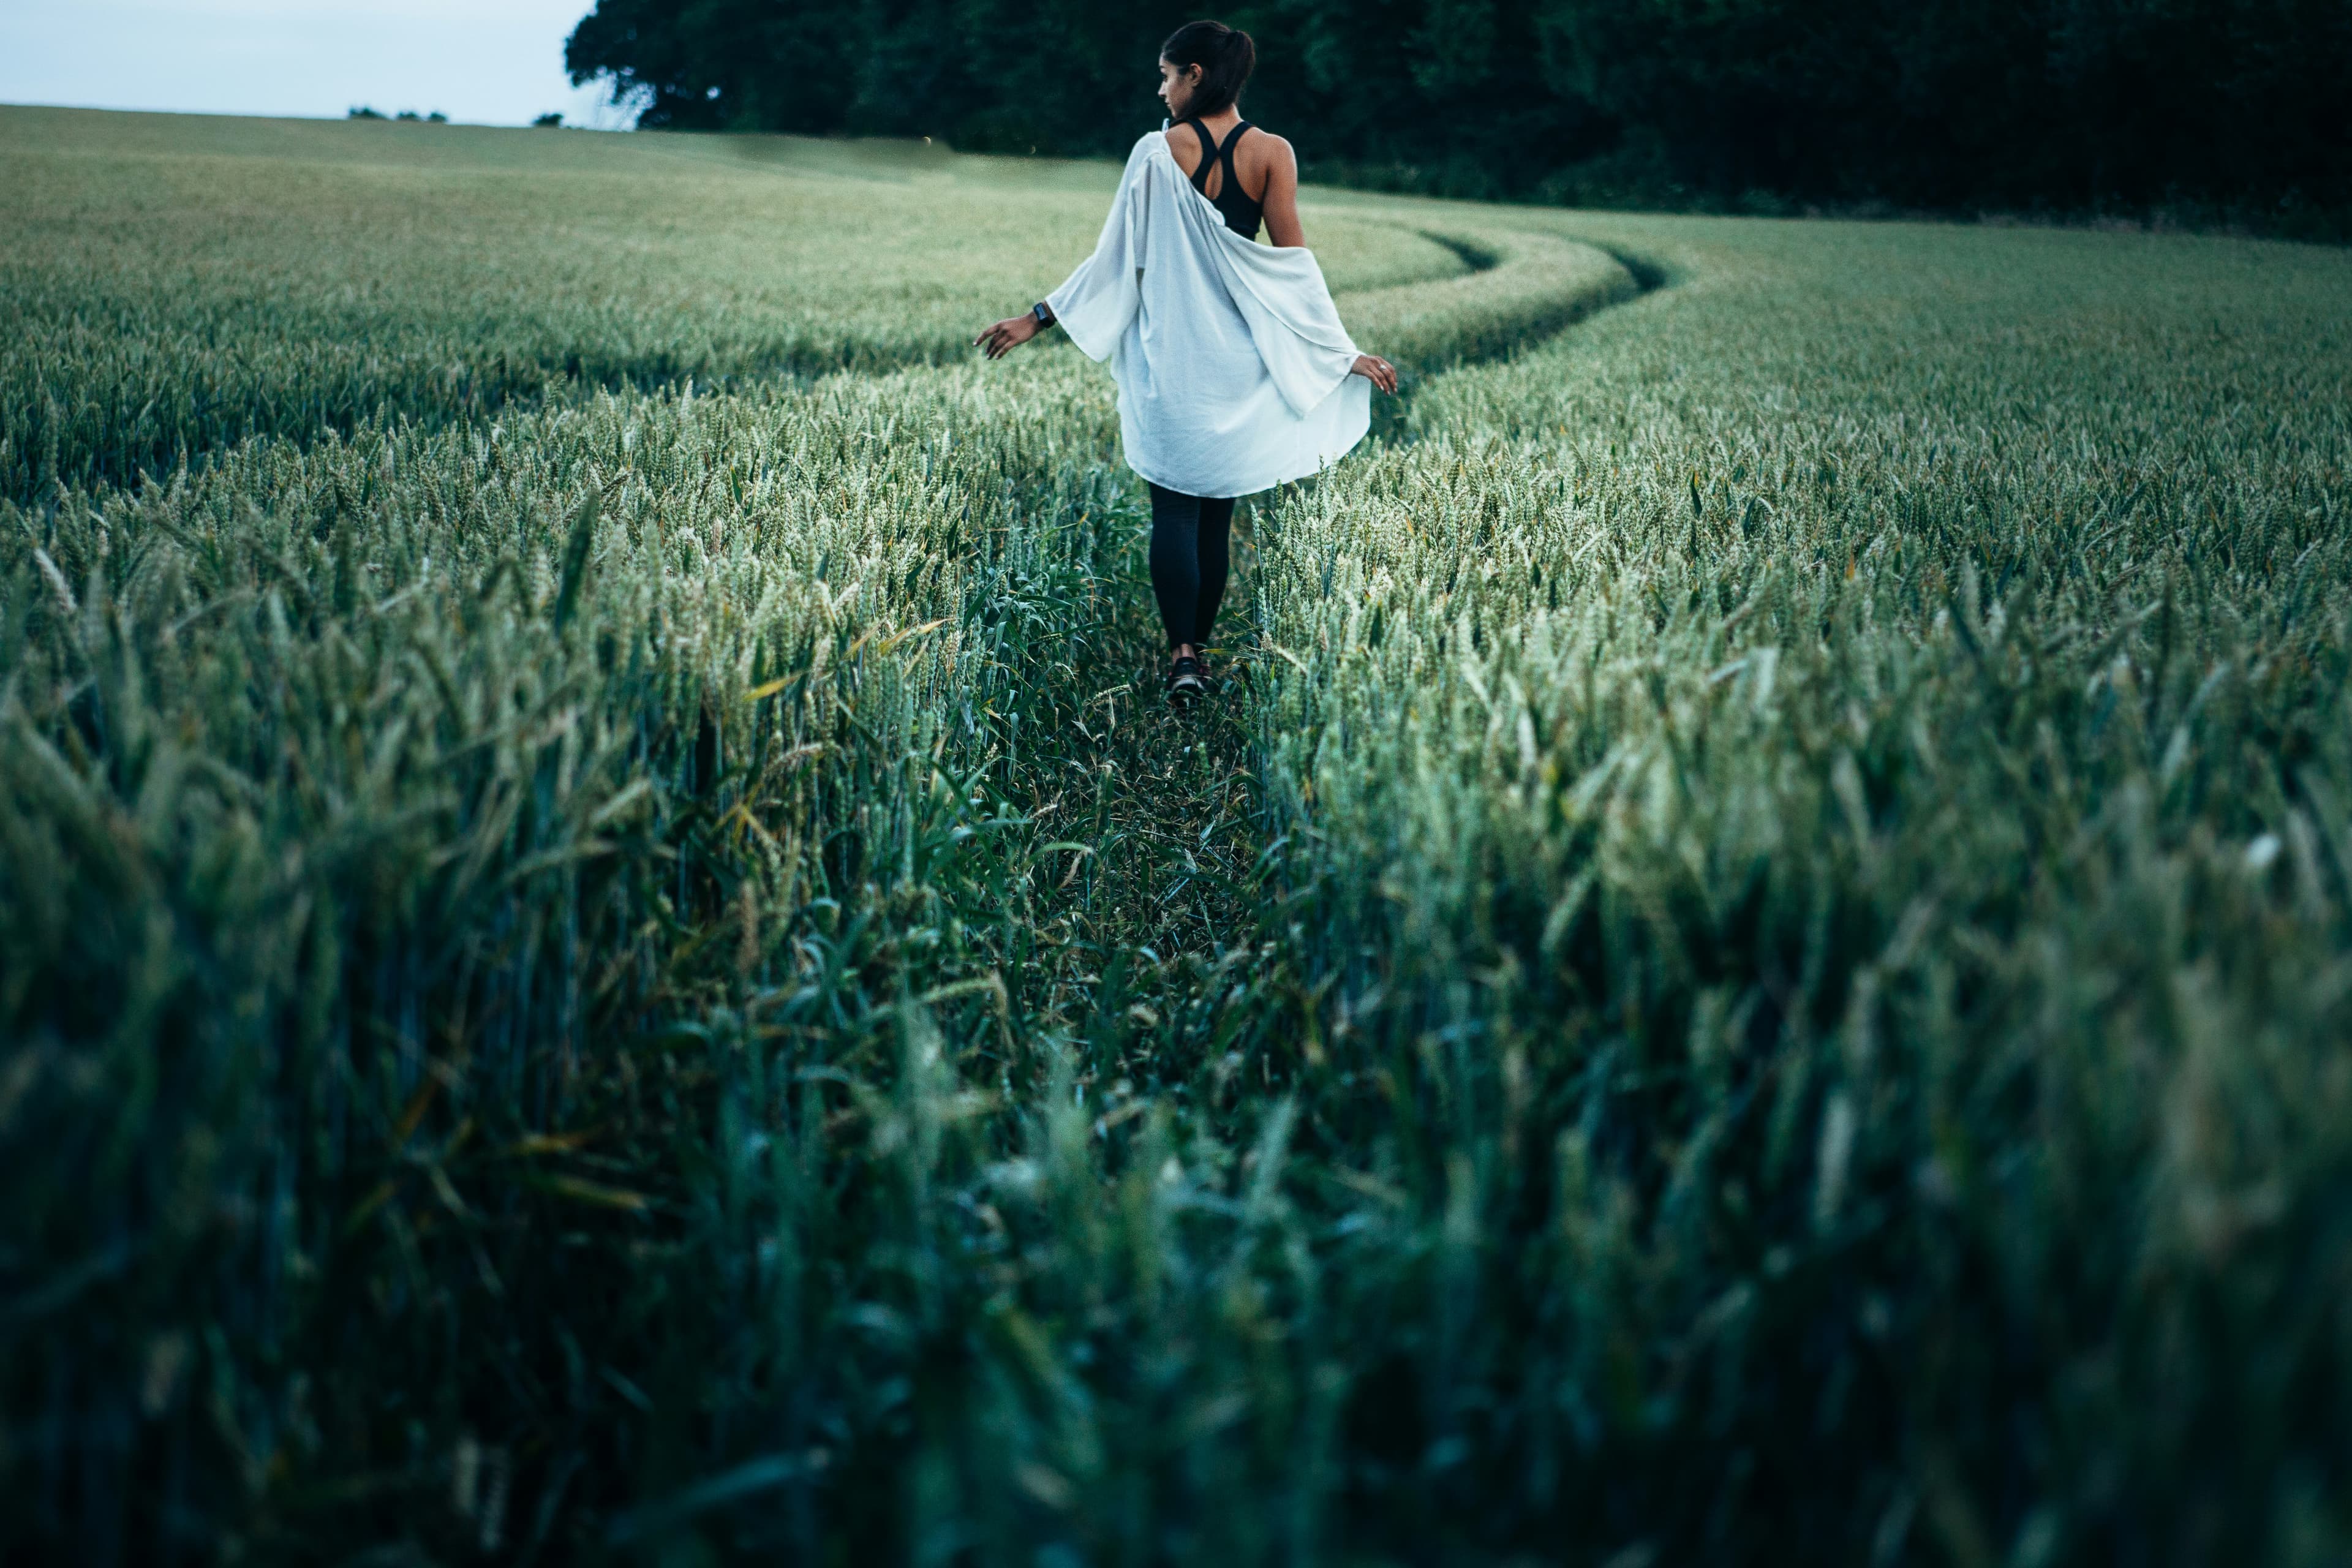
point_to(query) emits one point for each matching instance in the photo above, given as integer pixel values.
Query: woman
(1235, 374)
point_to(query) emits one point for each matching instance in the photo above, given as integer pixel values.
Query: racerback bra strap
(1241, 214)
(1212, 153)
(1225, 155)
(1208, 156)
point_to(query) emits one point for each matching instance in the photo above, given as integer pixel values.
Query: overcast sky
(487, 62)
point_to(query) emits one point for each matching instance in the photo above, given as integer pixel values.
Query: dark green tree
(2233, 106)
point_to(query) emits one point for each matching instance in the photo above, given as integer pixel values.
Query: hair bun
(1226, 55)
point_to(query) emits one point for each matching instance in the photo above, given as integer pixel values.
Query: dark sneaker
(1185, 686)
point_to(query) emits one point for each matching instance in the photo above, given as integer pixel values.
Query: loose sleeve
(1281, 295)
(1095, 303)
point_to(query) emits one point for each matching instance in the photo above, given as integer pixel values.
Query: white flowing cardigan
(1231, 360)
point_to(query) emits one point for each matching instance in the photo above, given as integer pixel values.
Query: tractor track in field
(1164, 916)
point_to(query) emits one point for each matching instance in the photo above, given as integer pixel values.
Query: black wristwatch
(1044, 312)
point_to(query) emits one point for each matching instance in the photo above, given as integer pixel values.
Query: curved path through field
(1163, 903)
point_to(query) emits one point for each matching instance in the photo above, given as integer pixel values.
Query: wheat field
(607, 951)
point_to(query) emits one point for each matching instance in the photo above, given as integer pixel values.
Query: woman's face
(1177, 85)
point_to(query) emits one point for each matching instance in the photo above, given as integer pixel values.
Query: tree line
(2215, 109)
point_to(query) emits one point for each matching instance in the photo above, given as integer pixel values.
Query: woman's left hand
(1376, 371)
(1007, 335)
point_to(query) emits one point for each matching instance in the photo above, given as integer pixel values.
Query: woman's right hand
(1376, 371)
(1006, 335)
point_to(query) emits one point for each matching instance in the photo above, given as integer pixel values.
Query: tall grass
(367, 807)
(1751, 967)
(1818, 812)
(172, 295)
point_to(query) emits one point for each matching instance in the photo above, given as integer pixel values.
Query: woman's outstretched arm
(1095, 303)
(1284, 229)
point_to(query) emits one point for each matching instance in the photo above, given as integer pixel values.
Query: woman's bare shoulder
(1272, 150)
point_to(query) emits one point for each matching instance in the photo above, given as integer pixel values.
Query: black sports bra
(1242, 215)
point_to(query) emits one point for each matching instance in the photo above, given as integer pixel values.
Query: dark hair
(1225, 56)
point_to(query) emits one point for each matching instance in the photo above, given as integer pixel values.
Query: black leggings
(1191, 551)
